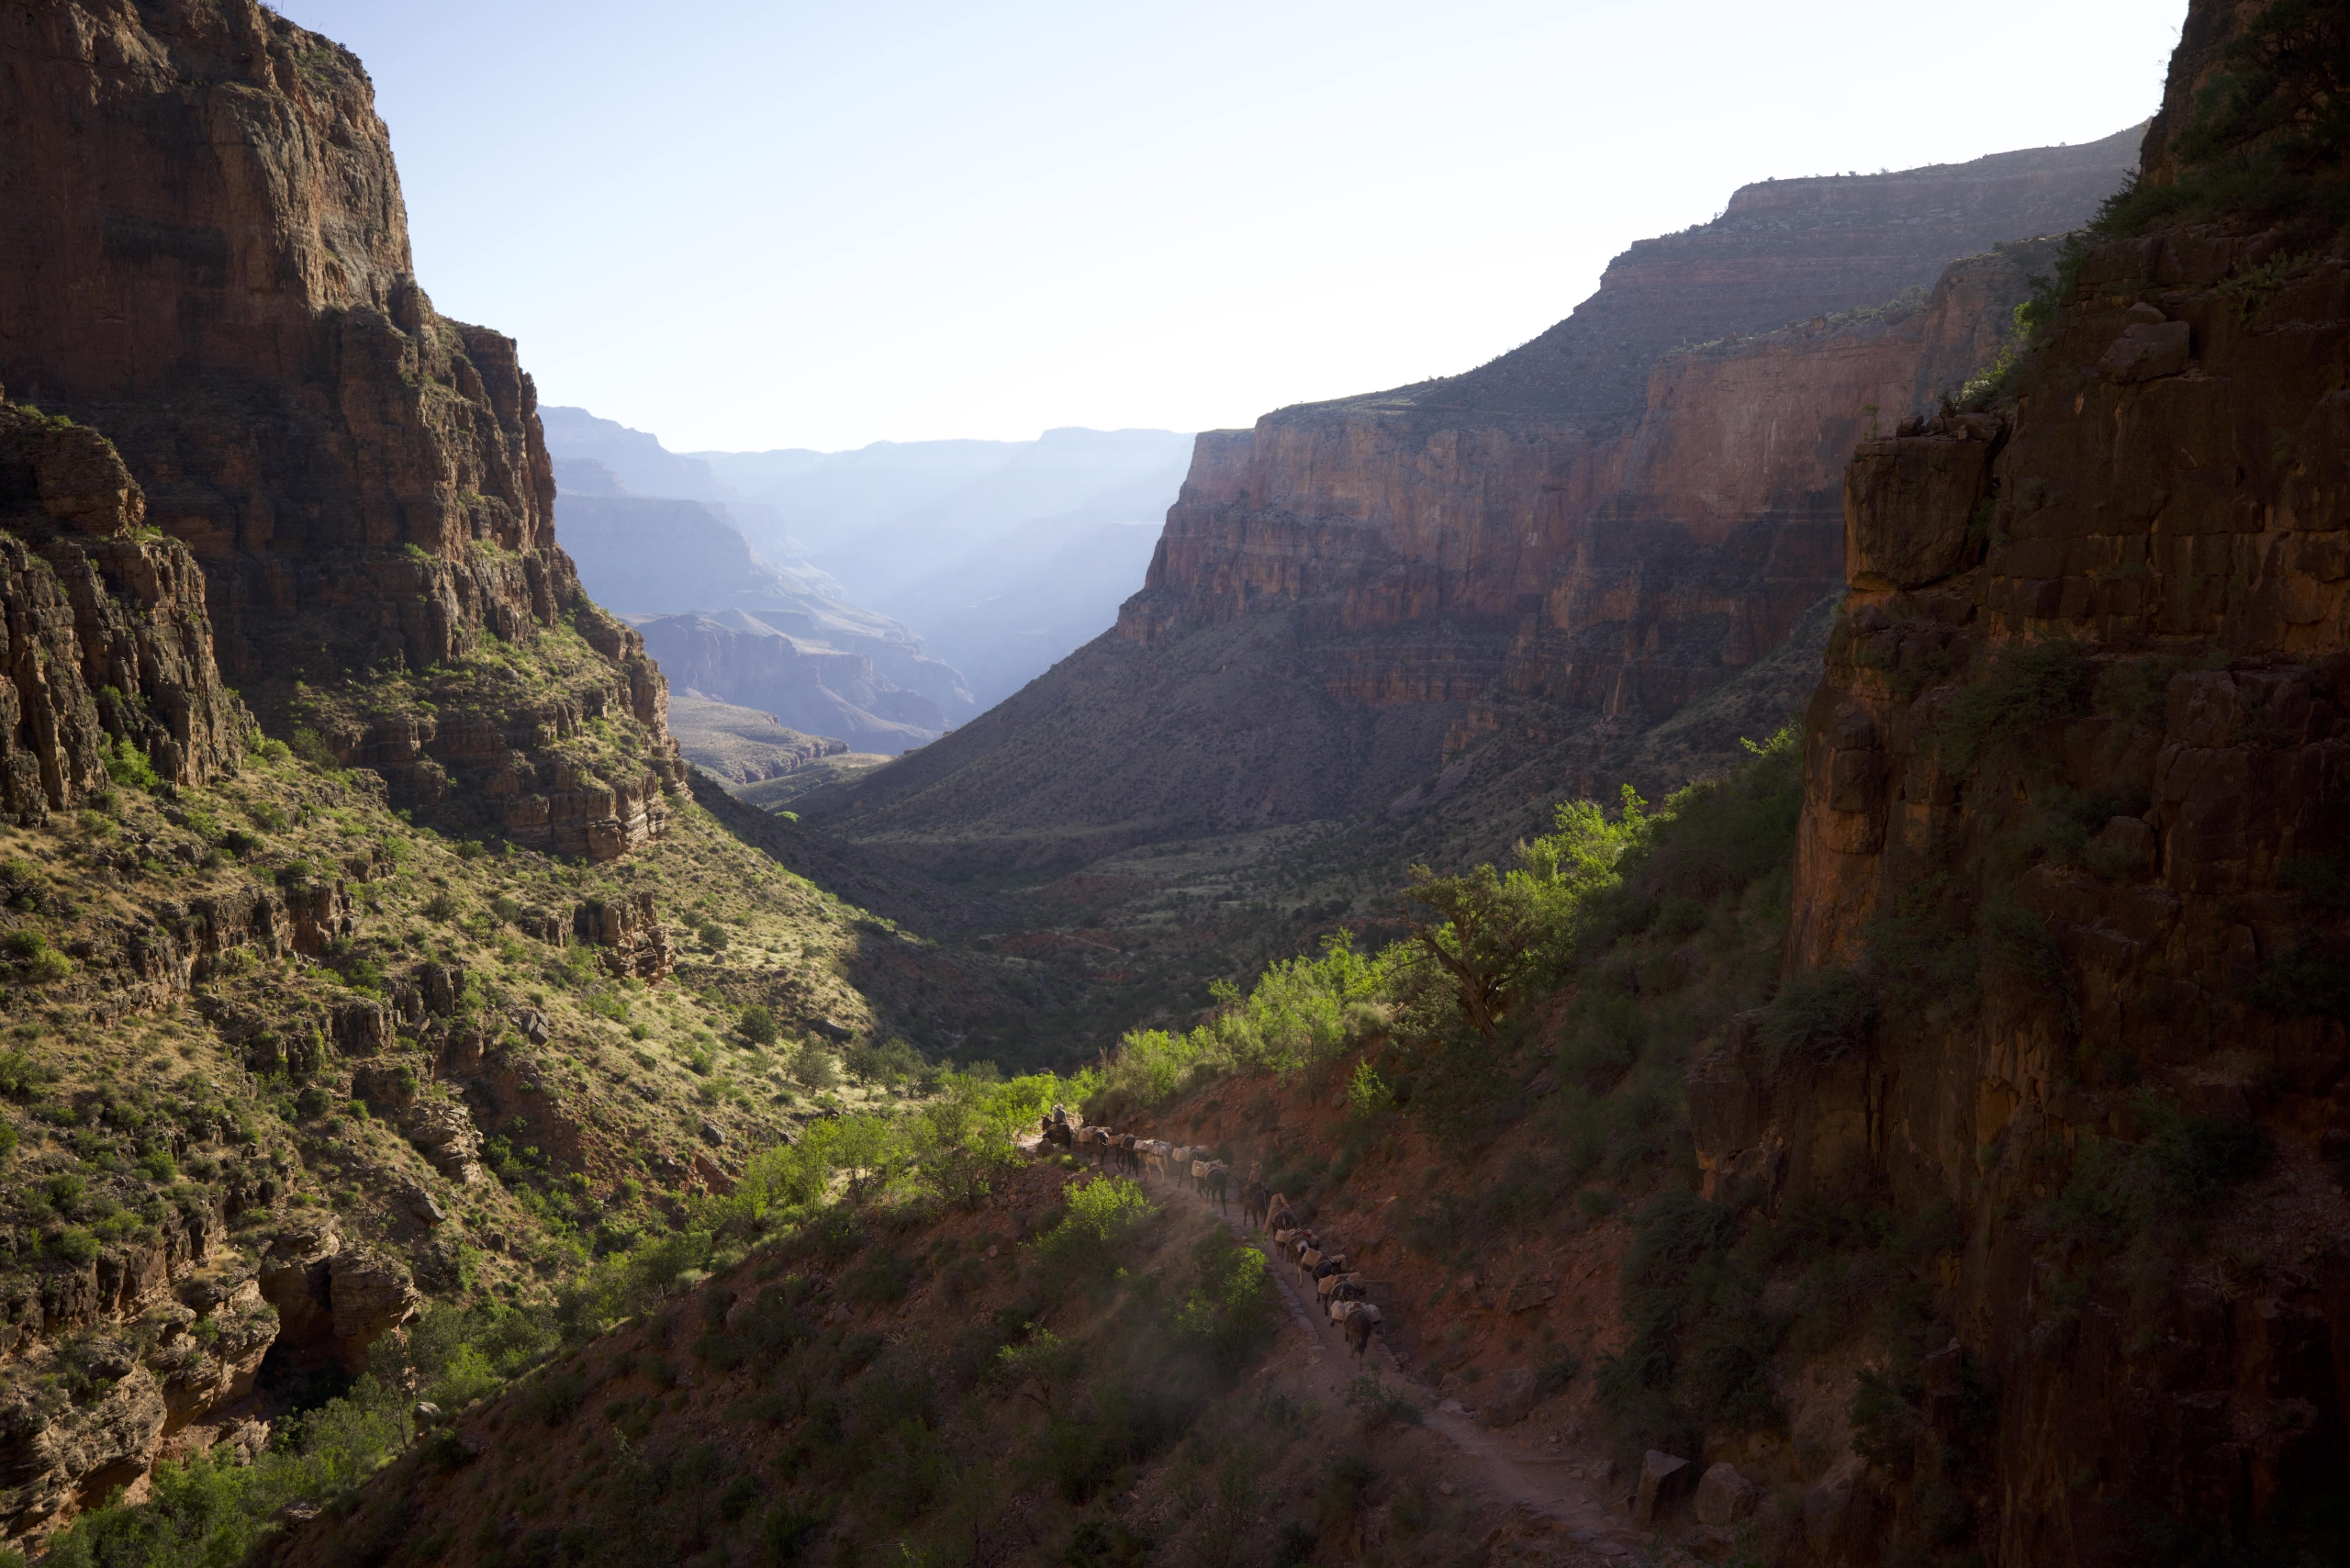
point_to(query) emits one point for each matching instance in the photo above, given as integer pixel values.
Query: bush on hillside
(2025, 693)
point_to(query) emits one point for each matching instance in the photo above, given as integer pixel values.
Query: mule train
(1340, 1292)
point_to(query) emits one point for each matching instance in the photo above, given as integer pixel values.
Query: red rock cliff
(106, 644)
(2075, 810)
(1615, 524)
(208, 259)
(1601, 523)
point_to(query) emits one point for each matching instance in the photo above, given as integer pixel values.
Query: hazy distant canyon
(878, 596)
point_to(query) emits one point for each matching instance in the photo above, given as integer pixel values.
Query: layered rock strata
(2073, 810)
(209, 261)
(107, 655)
(811, 688)
(1589, 531)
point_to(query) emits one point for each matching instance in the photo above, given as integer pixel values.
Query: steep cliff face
(210, 262)
(1350, 597)
(1595, 519)
(108, 652)
(2074, 813)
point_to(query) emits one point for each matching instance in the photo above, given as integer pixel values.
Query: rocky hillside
(413, 975)
(743, 745)
(282, 1067)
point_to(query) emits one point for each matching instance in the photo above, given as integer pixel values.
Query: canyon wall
(107, 656)
(208, 261)
(1576, 539)
(2074, 816)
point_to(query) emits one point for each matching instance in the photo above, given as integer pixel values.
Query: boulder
(1724, 1496)
(444, 1131)
(2145, 350)
(1664, 1478)
(630, 932)
(389, 1086)
(418, 1201)
(443, 985)
(1910, 505)
(371, 1295)
(293, 1275)
(1520, 1393)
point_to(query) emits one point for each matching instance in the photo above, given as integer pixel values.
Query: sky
(743, 226)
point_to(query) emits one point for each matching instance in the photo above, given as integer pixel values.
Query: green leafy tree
(1490, 936)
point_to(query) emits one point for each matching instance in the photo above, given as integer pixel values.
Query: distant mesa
(742, 745)
(809, 687)
(754, 756)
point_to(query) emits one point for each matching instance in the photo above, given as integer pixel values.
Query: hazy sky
(755, 225)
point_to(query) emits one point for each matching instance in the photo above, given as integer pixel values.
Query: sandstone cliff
(210, 262)
(109, 652)
(2074, 819)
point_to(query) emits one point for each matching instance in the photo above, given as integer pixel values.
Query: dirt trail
(1551, 1486)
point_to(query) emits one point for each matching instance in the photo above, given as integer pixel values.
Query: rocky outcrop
(101, 1363)
(108, 645)
(2074, 814)
(444, 1131)
(630, 932)
(529, 767)
(210, 262)
(369, 1296)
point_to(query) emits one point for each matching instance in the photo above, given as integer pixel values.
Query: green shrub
(2307, 981)
(758, 1024)
(892, 1062)
(1819, 1018)
(73, 1244)
(551, 1398)
(788, 1533)
(127, 766)
(2116, 1192)
(1369, 1394)
(1367, 1093)
(1698, 1343)
(882, 1276)
(815, 1067)
(1230, 1312)
(2015, 704)
(311, 747)
(1886, 1424)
